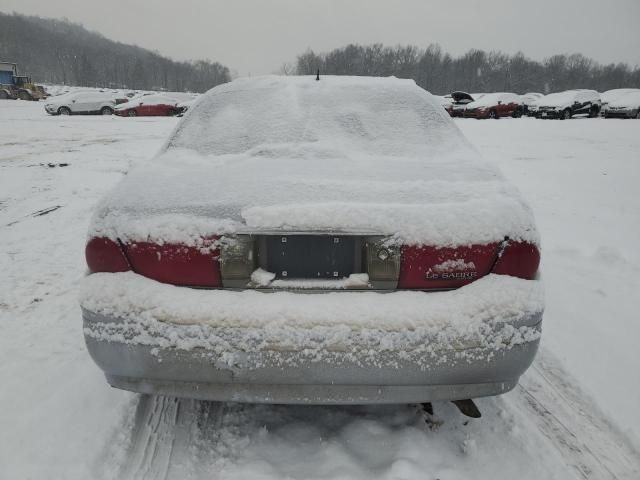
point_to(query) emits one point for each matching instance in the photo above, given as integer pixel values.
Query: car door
(76, 103)
(581, 104)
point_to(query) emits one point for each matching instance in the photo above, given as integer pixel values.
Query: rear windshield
(383, 115)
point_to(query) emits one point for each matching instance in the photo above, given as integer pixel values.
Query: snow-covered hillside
(574, 415)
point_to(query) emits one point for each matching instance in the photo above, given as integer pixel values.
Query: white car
(82, 103)
(564, 105)
(613, 96)
(626, 105)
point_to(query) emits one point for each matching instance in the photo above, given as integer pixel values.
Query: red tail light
(433, 268)
(105, 255)
(518, 259)
(176, 264)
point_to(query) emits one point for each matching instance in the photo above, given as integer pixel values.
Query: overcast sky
(257, 36)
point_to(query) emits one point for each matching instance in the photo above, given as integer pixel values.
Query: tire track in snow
(574, 425)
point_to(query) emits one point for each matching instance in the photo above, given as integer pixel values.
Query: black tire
(132, 113)
(4, 95)
(106, 111)
(566, 114)
(594, 111)
(64, 111)
(493, 115)
(638, 114)
(24, 95)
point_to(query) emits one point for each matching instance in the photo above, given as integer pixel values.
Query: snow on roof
(617, 93)
(349, 154)
(630, 99)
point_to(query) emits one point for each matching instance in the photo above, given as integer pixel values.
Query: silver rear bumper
(282, 377)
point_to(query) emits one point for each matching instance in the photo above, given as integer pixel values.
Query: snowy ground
(59, 419)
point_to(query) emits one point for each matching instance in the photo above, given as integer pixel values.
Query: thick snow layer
(293, 154)
(487, 313)
(60, 420)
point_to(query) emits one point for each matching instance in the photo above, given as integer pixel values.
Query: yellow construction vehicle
(14, 86)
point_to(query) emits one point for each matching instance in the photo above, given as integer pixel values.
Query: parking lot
(581, 178)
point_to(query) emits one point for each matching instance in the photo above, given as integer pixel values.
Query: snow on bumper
(227, 345)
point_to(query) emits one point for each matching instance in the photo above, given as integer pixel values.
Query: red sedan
(149, 106)
(494, 105)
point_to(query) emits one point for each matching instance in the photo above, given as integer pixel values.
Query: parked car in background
(82, 103)
(528, 101)
(153, 105)
(494, 105)
(184, 106)
(612, 95)
(338, 276)
(459, 101)
(624, 106)
(564, 105)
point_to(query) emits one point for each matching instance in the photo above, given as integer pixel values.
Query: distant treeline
(61, 52)
(475, 71)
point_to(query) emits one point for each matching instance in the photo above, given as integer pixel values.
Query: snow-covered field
(575, 415)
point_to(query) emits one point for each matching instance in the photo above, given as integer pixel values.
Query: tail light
(434, 268)
(518, 259)
(176, 264)
(105, 255)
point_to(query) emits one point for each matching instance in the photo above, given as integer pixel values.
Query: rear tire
(106, 111)
(64, 111)
(4, 95)
(566, 114)
(493, 115)
(24, 95)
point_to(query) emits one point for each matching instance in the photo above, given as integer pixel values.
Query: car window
(239, 120)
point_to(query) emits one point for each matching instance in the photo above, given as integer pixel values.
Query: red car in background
(459, 102)
(149, 106)
(495, 105)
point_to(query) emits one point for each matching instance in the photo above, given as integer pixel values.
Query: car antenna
(318, 75)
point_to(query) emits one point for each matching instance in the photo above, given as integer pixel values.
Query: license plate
(311, 256)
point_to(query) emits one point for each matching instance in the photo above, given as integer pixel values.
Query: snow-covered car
(301, 241)
(149, 106)
(528, 102)
(459, 102)
(494, 105)
(613, 95)
(626, 105)
(82, 103)
(564, 105)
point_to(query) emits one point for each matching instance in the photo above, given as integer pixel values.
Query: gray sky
(257, 36)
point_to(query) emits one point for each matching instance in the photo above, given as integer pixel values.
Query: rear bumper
(142, 354)
(280, 377)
